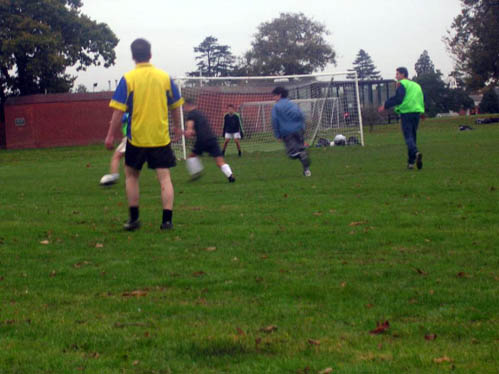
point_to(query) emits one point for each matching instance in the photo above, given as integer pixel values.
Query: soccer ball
(340, 140)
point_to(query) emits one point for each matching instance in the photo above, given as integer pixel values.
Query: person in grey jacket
(288, 123)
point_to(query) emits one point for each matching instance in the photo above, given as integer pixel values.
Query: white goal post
(329, 101)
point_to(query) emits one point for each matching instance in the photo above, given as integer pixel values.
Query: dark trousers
(295, 147)
(410, 122)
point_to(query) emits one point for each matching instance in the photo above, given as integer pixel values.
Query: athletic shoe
(168, 225)
(239, 153)
(231, 179)
(307, 173)
(109, 179)
(419, 160)
(410, 166)
(131, 225)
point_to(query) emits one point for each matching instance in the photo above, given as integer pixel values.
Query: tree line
(40, 40)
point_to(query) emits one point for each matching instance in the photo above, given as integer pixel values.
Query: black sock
(167, 215)
(134, 213)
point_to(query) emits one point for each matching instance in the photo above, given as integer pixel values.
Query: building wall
(40, 121)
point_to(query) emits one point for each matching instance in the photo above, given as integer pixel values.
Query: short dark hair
(280, 91)
(189, 100)
(141, 50)
(230, 106)
(403, 70)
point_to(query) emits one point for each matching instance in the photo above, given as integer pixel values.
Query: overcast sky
(393, 32)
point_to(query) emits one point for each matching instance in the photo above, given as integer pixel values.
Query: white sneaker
(307, 173)
(109, 179)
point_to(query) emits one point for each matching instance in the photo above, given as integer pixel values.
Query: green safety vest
(413, 99)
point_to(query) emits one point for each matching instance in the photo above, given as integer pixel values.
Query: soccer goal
(329, 101)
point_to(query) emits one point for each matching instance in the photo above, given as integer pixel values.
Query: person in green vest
(409, 103)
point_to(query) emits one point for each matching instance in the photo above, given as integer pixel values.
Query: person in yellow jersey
(409, 103)
(147, 94)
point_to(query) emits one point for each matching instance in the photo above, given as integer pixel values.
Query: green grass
(323, 259)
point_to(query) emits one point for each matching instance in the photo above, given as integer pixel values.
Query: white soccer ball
(340, 139)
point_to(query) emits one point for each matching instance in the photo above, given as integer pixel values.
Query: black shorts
(156, 157)
(210, 146)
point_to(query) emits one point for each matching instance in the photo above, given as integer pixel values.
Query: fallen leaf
(326, 371)
(380, 328)
(240, 332)
(358, 223)
(343, 284)
(202, 301)
(45, 242)
(462, 274)
(88, 165)
(199, 273)
(80, 264)
(285, 195)
(430, 336)
(422, 272)
(369, 306)
(442, 359)
(314, 342)
(99, 245)
(52, 273)
(210, 249)
(136, 293)
(269, 329)
(317, 214)
(258, 341)
(135, 363)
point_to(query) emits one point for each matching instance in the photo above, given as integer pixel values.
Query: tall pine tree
(424, 65)
(365, 68)
(214, 60)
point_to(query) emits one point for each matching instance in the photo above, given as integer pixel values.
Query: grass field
(276, 273)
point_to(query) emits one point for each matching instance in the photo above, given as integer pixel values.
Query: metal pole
(358, 109)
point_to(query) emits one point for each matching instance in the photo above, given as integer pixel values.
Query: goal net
(329, 102)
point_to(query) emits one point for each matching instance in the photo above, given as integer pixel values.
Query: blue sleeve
(174, 98)
(275, 123)
(397, 99)
(121, 93)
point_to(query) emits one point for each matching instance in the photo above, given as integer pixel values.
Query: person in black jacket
(232, 129)
(198, 127)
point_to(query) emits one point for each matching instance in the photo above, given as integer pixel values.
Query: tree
(214, 60)
(459, 99)
(364, 67)
(290, 44)
(424, 64)
(81, 89)
(40, 39)
(436, 93)
(490, 102)
(473, 42)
